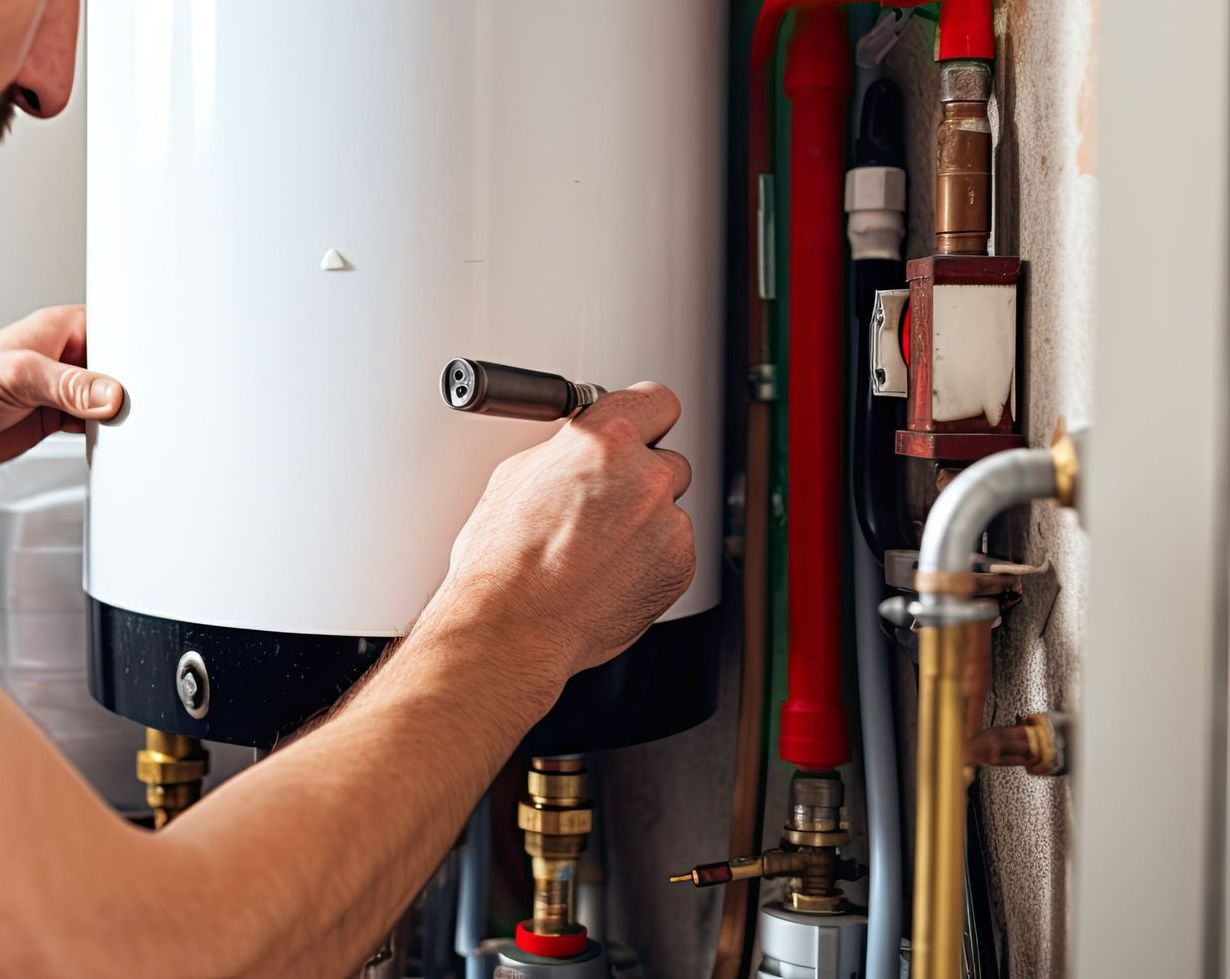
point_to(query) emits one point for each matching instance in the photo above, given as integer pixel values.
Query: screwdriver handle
(484, 388)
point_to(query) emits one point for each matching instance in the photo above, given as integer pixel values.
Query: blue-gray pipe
(884, 895)
(472, 892)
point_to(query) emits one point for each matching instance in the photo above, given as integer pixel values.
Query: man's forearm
(300, 865)
(364, 809)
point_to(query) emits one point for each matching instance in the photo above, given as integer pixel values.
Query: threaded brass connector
(172, 766)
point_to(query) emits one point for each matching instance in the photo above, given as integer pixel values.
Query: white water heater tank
(297, 213)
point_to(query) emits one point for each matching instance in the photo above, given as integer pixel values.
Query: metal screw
(192, 684)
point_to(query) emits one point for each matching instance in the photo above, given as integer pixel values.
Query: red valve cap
(565, 946)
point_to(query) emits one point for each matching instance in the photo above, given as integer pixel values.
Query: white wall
(1149, 821)
(42, 209)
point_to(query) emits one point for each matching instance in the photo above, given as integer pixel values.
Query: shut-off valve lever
(513, 392)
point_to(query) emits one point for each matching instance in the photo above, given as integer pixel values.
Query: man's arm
(301, 864)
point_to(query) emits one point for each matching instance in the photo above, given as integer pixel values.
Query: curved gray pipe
(971, 501)
(884, 901)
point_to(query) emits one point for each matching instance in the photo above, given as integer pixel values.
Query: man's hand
(577, 545)
(43, 386)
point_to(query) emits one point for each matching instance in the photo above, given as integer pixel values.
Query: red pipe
(813, 722)
(818, 81)
(814, 731)
(965, 31)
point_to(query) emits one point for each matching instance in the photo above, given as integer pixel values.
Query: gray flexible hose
(473, 889)
(884, 899)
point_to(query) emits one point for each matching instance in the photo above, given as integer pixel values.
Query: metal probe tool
(513, 392)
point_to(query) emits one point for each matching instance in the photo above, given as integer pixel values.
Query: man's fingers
(57, 332)
(651, 409)
(681, 467)
(30, 380)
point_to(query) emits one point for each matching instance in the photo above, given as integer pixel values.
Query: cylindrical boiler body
(296, 216)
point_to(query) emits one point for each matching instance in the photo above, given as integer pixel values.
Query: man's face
(38, 50)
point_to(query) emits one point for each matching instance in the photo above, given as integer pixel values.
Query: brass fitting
(1049, 737)
(1067, 465)
(963, 161)
(808, 855)
(172, 767)
(557, 817)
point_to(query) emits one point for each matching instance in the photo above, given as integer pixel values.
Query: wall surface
(42, 210)
(1156, 501)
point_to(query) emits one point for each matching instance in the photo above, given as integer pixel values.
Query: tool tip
(681, 878)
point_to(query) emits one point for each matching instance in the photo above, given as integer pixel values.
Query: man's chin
(8, 106)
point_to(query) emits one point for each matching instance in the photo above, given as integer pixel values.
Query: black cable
(876, 484)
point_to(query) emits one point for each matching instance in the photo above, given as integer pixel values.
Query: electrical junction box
(962, 355)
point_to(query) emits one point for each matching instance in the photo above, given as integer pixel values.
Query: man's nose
(46, 79)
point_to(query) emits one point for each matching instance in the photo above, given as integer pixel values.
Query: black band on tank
(263, 686)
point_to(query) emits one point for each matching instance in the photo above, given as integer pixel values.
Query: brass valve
(172, 767)
(808, 855)
(557, 817)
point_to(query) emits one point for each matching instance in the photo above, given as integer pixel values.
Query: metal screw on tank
(192, 684)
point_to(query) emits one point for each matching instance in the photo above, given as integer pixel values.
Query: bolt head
(189, 690)
(192, 684)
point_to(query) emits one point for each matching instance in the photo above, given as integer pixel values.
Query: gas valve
(808, 855)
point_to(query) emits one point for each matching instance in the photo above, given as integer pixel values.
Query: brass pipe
(939, 877)
(952, 627)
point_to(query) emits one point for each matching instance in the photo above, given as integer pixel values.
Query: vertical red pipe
(818, 83)
(966, 30)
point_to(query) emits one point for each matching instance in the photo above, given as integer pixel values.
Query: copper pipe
(963, 161)
(745, 801)
(746, 793)
(1001, 746)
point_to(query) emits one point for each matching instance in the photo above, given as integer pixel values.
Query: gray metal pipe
(971, 501)
(884, 900)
